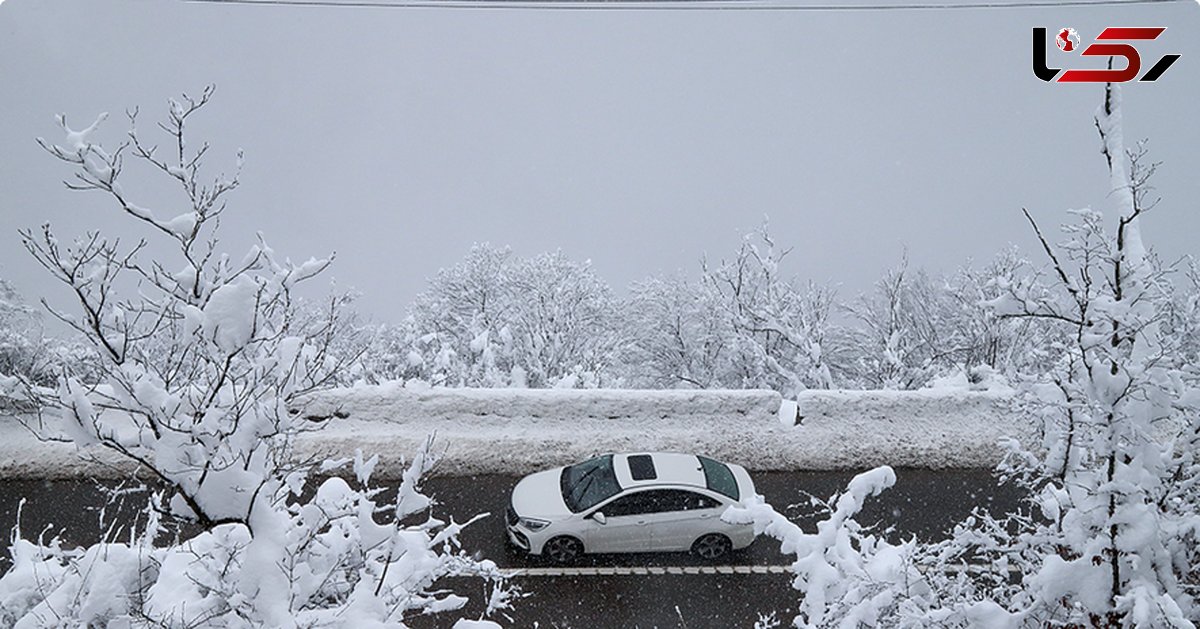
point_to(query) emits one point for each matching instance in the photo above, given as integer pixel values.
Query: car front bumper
(518, 539)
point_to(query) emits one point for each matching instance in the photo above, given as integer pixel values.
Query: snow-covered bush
(327, 561)
(206, 358)
(850, 576)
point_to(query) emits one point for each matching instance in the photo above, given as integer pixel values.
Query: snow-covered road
(646, 588)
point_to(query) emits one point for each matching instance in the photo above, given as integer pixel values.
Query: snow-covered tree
(899, 339)
(460, 322)
(914, 327)
(983, 338)
(1110, 536)
(780, 326)
(676, 334)
(1182, 321)
(564, 322)
(206, 362)
(26, 351)
(23, 352)
(1117, 476)
(495, 319)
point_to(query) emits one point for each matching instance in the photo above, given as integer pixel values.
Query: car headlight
(533, 524)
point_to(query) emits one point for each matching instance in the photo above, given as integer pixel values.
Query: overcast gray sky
(640, 140)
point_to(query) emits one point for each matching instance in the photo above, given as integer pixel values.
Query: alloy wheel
(563, 549)
(712, 546)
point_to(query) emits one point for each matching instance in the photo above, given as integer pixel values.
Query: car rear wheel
(563, 549)
(712, 546)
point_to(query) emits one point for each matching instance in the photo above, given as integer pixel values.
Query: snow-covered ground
(521, 430)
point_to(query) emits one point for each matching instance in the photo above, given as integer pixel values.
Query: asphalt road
(619, 591)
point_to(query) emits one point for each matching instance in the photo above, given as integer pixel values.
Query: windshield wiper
(576, 495)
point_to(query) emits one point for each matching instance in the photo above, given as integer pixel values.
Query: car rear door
(626, 525)
(682, 516)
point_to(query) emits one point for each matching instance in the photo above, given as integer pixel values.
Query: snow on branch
(204, 358)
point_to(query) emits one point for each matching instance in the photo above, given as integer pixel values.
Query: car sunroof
(641, 467)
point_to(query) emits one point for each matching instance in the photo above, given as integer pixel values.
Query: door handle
(641, 522)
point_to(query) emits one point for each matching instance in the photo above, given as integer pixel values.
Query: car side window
(632, 504)
(700, 501)
(658, 501)
(683, 500)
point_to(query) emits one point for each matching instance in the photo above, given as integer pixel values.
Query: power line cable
(678, 5)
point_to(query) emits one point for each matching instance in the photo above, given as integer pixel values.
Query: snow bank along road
(511, 431)
(610, 590)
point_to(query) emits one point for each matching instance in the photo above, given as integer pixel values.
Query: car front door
(625, 527)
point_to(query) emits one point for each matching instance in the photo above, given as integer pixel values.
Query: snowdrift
(516, 431)
(395, 404)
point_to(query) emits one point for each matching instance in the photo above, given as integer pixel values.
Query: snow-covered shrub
(206, 359)
(324, 562)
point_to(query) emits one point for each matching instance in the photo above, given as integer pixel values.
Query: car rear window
(641, 467)
(719, 477)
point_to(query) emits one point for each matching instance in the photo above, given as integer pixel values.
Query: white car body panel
(538, 499)
(624, 533)
(539, 496)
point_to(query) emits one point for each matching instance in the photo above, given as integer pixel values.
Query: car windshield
(719, 477)
(586, 484)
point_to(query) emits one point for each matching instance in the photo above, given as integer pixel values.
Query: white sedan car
(620, 503)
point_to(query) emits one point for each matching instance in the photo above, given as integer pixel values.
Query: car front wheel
(712, 546)
(563, 549)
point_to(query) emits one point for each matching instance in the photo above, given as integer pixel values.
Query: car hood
(540, 495)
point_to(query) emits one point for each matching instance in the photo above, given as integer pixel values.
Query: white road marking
(640, 571)
(621, 571)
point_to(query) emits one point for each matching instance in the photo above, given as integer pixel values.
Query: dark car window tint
(682, 500)
(589, 483)
(641, 467)
(658, 501)
(719, 477)
(699, 501)
(633, 504)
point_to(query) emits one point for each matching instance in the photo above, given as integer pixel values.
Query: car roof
(670, 468)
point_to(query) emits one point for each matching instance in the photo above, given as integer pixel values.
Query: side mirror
(599, 518)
